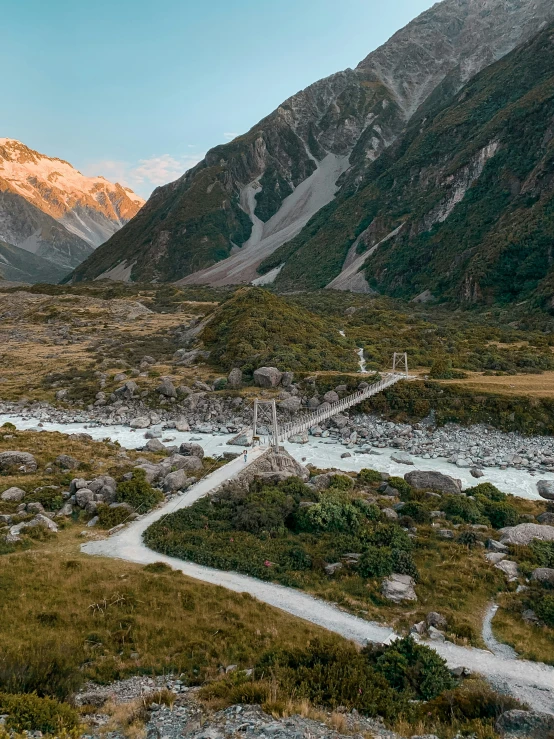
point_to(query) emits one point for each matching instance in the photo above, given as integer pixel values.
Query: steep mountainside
(251, 196)
(462, 208)
(18, 265)
(90, 207)
(25, 226)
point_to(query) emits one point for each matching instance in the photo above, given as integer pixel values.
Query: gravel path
(531, 682)
(496, 647)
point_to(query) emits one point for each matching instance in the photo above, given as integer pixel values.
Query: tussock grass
(67, 617)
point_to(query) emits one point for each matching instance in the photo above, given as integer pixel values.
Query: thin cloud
(230, 136)
(147, 174)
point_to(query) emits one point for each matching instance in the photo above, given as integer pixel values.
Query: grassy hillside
(467, 235)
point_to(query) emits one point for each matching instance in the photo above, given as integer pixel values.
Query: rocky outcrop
(518, 724)
(421, 480)
(525, 533)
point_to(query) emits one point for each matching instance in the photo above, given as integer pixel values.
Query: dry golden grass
(534, 386)
(103, 619)
(530, 642)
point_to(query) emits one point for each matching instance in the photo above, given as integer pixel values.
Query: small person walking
(245, 456)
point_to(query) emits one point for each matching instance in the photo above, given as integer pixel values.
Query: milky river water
(322, 453)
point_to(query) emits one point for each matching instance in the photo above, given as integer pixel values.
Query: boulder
(154, 445)
(476, 472)
(525, 533)
(495, 557)
(175, 481)
(398, 588)
(332, 568)
(389, 513)
(167, 388)
(436, 619)
(422, 480)
(287, 379)
(518, 724)
(66, 462)
(152, 472)
(546, 489)
(331, 397)
(509, 568)
(127, 391)
(20, 461)
(267, 377)
(435, 634)
(76, 484)
(496, 546)
(104, 486)
(191, 450)
(234, 378)
(13, 495)
(402, 458)
(181, 424)
(339, 420)
(83, 496)
(546, 518)
(35, 507)
(180, 462)
(141, 422)
(541, 574)
(292, 404)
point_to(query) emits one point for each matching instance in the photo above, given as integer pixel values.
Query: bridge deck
(307, 420)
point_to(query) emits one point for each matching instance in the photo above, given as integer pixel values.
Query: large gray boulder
(544, 575)
(234, 378)
(525, 533)
(175, 481)
(152, 472)
(398, 588)
(546, 489)
(267, 377)
(17, 461)
(83, 497)
(402, 458)
(66, 462)
(13, 495)
(154, 445)
(167, 388)
(287, 379)
(423, 480)
(292, 404)
(546, 518)
(509, 568)
(188, 449)
(104, 486)
(331, 397)
(518, 724)
(180, 462)
(141, 422)
(127, 391)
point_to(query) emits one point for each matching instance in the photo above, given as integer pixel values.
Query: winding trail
(530, 682)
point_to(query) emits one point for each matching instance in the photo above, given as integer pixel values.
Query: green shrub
(368, 476)
(462, 508)
(402, 486)
(544, 608)
(159, 568)
(411, 668)
(389, 535)
(110, 517)
(417, 512)
(501, 514)
(470, 701)
(138, 493)
(403, 563)
(28, 712)
(341, 482)
(375, 562)
(542, 553)
(331, 514)
(486, 490)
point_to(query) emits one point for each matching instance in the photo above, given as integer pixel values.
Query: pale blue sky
(138, 90)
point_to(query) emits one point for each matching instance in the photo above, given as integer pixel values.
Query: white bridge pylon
(265, 411)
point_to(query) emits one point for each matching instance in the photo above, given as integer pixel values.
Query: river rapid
(322, 453)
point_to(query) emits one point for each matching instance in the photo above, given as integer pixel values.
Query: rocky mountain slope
(18, 265)
(251, 196)
(51, 210)
(461, 208)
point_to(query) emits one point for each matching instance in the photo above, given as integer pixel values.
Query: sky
(139, 90)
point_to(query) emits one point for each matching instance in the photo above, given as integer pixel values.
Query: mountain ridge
(200, 228)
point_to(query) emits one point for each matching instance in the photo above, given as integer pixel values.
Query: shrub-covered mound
(28, 712)
(255, 328)
(404, 682)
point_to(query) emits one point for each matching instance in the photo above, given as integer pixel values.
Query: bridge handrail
(307, 420)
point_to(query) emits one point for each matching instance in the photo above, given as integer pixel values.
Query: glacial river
(320, 452)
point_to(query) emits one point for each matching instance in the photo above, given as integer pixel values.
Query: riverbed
(322, 453)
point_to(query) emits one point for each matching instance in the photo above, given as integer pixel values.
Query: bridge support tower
(399, 359)
(265, 414)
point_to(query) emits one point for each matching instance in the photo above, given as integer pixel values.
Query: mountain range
(297, 200)
(52, 211)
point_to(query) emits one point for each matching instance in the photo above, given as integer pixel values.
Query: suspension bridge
(265, 411)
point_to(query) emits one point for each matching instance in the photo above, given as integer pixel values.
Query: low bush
(138, 492)
(369, 476)
(29, 712)
(417, 512)
(471, 700)
(110, 517)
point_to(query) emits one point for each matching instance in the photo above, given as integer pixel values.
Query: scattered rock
(188, 449)
(267, 377)
(476, 472)
(17, 461)
(541, 574)
(332, 568)
(546, 518)
(546, 489)
(234, 379)
(524, 533)
(167, 388)
(154, 445)
(421, 480)
(436, 619)
(398, 588)
(66, 462)
(402, 458)
(509, 568)
(142, 422)
(13, 495)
